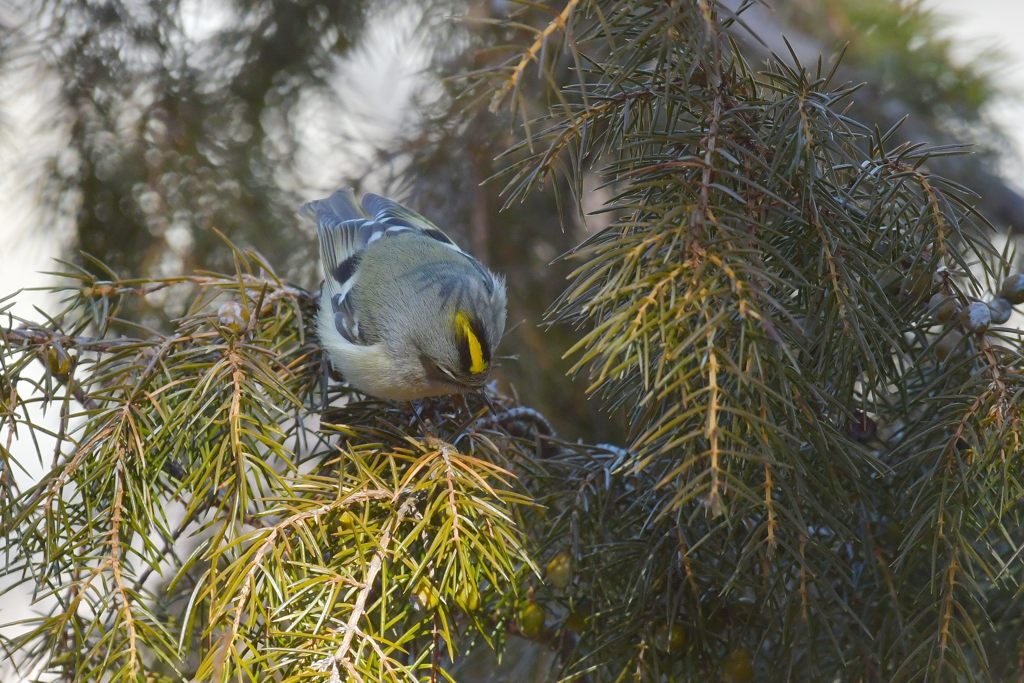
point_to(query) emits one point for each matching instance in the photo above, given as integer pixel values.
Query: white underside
(371, 370)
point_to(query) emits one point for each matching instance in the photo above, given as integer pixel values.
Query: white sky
(987, 23)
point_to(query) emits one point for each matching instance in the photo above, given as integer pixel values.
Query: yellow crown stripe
(477, 364)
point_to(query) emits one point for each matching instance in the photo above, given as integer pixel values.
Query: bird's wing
(390, 212)
(345, 231)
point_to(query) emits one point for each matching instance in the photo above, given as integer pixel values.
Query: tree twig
(557, 24)
(359, 608)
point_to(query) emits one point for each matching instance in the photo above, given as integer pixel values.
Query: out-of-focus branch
(40, 336)
(1003, 205)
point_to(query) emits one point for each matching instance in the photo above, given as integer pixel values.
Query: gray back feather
(424, 278)
(344, 233)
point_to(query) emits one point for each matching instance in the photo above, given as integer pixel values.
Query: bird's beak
(470, 383)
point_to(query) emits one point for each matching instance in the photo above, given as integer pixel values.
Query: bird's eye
(435, 369)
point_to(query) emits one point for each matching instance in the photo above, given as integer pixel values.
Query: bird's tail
(340, 206)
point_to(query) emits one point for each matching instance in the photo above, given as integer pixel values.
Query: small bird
(404, 312)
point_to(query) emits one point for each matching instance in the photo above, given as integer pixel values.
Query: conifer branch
(340, 655)
(559, 23)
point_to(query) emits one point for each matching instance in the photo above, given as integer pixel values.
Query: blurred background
(131, 129)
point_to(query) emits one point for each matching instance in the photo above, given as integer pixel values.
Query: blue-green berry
(1000, 309)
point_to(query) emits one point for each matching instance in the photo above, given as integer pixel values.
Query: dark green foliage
(762, 290)
(822, 478)
(915, 69)
(906, 45)
(189, 500)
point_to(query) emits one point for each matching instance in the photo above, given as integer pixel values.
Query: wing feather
(339, 226)
(344, 231)
(391, 212)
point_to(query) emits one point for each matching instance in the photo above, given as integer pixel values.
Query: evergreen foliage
(823, 472)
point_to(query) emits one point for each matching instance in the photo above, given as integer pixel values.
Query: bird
(404, 312)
